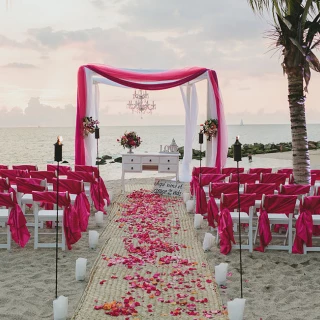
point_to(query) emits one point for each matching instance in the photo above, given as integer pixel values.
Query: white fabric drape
(190, 101)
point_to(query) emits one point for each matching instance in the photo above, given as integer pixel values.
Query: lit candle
(81, 268)
(60, 308)
(236, 309)
(58, 149)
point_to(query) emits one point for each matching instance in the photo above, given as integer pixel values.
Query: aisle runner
(152, 267)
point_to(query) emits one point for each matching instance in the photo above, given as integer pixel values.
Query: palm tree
(296, 31)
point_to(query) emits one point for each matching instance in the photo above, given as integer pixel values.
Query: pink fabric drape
(27, 185)
(196, 172)
(260, 170)
(48, 175)
(63, 170)
(85, 168)
(17, 221)
(277, 178)
(225, 229)
(273, 204)
(133, 79)
(70, 217)
(12, 174)
(213, 212)
(81, 203)
(28, 167)
(4, 184)
(4, 166)
(244, 177)
(260, 188)
(287, 171)
(304, 225)
(295, 189)
(228, 171)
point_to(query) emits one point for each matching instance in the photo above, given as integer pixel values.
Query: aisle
(151, 266)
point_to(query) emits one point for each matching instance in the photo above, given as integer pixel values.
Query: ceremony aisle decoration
(89, 125)
(210, 128)
(130, 140)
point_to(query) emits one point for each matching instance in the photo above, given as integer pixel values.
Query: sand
(277, 285)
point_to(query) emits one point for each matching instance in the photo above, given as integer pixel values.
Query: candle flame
(59, 139)
(237, 137)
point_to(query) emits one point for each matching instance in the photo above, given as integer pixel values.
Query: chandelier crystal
(140, 103)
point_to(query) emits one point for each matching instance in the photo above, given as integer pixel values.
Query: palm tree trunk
(301, 159)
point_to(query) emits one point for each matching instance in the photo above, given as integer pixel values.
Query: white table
(161, 162)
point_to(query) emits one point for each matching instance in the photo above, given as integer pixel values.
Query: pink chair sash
(213, 212)
(4, 166)
(196, 172)
(12, 174)
(304, 225)
(70, 218)
(217, 188)
(28, 167)
(104, 190)
(27, 185)
(277, 178)
(287, 171)
(49, 175)
(260, 170)
(225, 229)
(260, 188)
(17, 221)
(81, 204)
(85, 168)
(63, 170)
(244, 177)
(230, 202)
(295, 189)
(228, 171)
(4, 184)
(273, 204)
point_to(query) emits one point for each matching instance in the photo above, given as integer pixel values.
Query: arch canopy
(89, 76)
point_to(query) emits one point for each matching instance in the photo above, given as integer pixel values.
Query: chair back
(89, 169)
(7, 200)
(311, 204)
(13, 174)
(259, 189)
(279, 203)
(286, 171)
(316, 172)
(28, 167)
(27, 185)
(295, 189)
(205, 179)
(196, 170)
(48, 175)
(216, 189)
(68, 185)
(4, 184)
(81, 175)
(277, 178)
(313, 179)
(230, 170)
(63, 170)
(230, 201)
(62, 199)
(260, 170)
(244, 177)
(4, 166)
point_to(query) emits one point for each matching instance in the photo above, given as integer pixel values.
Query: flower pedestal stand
(130, 150)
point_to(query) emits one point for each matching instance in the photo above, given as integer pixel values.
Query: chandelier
(141, 103)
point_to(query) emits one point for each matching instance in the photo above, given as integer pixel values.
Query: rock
(119, 160)
(106, 157)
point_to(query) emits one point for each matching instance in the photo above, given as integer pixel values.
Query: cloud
(19, 65)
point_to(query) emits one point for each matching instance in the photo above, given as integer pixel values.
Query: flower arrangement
(130, 140)
(210, 128)
(89, 125)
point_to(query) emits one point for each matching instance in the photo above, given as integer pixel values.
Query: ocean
(35, 145)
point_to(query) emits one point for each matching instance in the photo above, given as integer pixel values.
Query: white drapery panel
(190, 101)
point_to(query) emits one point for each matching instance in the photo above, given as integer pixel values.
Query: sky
(43, 43)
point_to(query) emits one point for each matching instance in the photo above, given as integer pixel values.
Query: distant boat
(241, 122)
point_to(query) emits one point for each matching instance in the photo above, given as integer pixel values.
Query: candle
(236, 309)
(81, 268)
(97, 132)
(93, 239)
(237, 150)
(190, 206)
(58, 149)
(221, 273)
(201, 137)
(60, 308)
(208, 241)
(198, 218)
(99, 218)
(186, 197)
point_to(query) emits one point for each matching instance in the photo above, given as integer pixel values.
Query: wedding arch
(91, 75)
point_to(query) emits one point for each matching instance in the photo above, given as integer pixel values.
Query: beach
(276, 284)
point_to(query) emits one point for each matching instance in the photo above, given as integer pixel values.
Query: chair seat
(50, 215)
(244, 217)
(27, 198)
(4, 214)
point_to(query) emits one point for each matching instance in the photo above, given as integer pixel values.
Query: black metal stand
(200, 143)
(237, 158)
(57, 234)
(97, 137)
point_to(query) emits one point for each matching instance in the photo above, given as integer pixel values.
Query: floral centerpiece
(89, 125)
(130, 140)
(210, 128)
